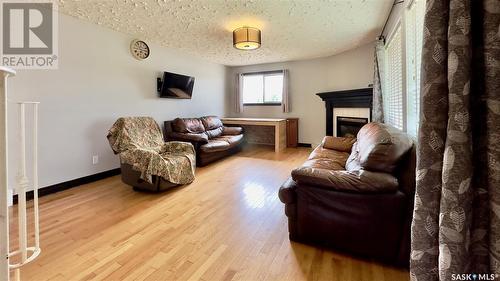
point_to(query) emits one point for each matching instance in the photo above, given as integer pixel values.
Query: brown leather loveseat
(356, 195)
(210, 138)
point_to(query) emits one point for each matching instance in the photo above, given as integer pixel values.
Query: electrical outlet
(95, 159)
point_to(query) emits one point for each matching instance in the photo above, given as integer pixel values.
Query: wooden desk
(278, 124)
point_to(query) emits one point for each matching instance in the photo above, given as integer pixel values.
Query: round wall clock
(139, 49)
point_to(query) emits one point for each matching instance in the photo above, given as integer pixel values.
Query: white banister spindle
(35, 175)
(22, 184)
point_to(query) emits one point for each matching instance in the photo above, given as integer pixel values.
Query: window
(393, 94)
(264, 88)
(403, 53)
(414, 32)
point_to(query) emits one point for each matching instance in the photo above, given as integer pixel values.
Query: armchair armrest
(287, 193)
(338, 143)
(179, 147)
(189, 137)
(232, 131)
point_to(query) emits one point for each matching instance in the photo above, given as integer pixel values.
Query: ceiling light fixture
(246, 38)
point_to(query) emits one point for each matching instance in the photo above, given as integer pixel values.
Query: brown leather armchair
(358, 201)
(210, 138)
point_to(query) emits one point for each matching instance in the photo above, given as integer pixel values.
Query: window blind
(393, 94)
(414, 20)
(403, 52)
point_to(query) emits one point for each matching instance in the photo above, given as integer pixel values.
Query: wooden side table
(292, 132)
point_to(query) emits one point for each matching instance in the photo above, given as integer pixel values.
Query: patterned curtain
(238, 93)
(456, 224)
(378, 108)
(285, 100)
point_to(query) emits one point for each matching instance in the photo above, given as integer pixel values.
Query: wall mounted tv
(175, 86)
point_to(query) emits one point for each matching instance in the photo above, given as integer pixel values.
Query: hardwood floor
(227, 225)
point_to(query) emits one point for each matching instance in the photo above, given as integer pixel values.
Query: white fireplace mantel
(357, 101)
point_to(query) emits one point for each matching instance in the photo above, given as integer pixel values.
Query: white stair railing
(24, 254)
(22, 187)
(4, 194)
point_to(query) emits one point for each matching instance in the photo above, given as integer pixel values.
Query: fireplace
(349, 126)
(358, 98)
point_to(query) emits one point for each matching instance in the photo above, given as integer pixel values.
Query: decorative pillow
(338, 143)
(211, 122)
(188, 125)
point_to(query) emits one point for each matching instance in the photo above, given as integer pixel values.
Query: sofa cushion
(323, 158)
(214, 132)
(379, 147)
(188, 125)
(324, 163)
(338, 143)
(215, 145)
(356, 181)
(231, 140)
(189, 137)
(232, 131)
(211, 122)
(333, 155)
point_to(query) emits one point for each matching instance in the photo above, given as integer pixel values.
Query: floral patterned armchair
(147, 162)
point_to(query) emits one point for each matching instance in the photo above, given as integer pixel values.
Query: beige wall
(349, 70)
(97, 82)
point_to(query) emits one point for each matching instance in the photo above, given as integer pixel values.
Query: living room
(250, 140)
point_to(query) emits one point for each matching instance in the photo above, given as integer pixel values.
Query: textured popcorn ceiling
(291, 30)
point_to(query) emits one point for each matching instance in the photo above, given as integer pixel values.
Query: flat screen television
(176, 86)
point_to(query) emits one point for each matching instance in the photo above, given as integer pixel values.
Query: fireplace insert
(349, 126)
